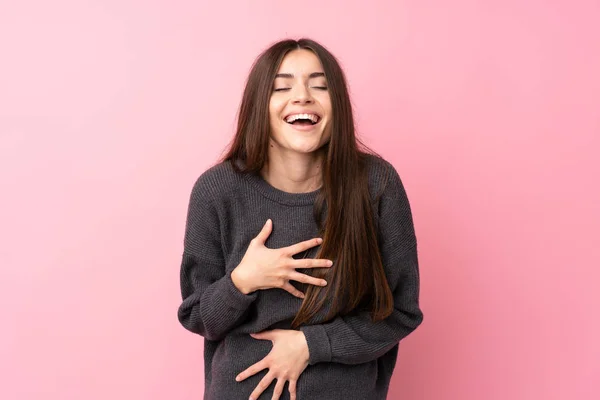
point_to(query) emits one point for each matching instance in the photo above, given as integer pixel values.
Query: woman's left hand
(286, 361)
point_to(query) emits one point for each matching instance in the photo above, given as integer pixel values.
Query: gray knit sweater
(351, 357)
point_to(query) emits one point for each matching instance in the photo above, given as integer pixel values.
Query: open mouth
(303, 119)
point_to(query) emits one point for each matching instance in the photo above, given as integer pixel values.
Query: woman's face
(300, 106)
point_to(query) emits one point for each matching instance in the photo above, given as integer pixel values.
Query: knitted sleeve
(354, 338)
(212, 305)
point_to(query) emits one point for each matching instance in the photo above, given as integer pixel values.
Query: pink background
(490, 110)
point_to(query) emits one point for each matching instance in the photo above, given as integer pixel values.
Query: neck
(294, 173)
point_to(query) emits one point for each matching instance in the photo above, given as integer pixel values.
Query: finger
(292, 389)
(297, 276)
(266, 335)
(292, 290)
(278, 389)
(265, 232)
(302, 246)
(262, 386)
(252, 370)
(311, 263)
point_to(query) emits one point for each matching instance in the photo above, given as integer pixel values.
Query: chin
(304, 147)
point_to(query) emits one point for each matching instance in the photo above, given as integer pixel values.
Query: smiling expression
(300, 106)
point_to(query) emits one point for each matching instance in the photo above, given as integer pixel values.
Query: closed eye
(284, 89)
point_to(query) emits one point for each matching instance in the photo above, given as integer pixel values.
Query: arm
(355, 339)
(212, 305)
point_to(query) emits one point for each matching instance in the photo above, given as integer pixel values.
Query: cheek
(272, 111)
(276, 106)
(275, 119)
(327, 107)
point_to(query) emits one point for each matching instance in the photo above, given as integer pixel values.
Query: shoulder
(392, 206)
(216, 182)
(383, 177)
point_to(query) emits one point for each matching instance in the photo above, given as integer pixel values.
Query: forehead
(300, 62)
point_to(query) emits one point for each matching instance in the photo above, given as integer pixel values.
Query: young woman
(300, 258)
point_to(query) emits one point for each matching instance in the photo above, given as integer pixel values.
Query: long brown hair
(357, 278)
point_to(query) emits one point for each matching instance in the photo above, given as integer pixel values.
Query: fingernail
(237, 378)
(324, 283)
(319, 240)
(330, 263)
(251, 398)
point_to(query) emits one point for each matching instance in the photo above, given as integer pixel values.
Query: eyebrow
(290, 76)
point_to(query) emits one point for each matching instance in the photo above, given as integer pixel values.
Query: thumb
(265, 232)
(265, 335)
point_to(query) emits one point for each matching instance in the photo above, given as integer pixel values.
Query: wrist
(302, 339)
(319, 348)
(238, 282)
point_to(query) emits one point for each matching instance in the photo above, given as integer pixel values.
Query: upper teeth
(295, 117)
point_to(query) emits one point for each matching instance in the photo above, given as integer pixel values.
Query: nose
(301, 95)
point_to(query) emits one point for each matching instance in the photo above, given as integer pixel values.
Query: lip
(303, 112)
(304, 128)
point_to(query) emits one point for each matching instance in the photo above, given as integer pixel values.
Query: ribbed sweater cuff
(233, 297)
(319, 348)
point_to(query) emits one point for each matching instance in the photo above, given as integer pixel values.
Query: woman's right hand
(263, 268)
